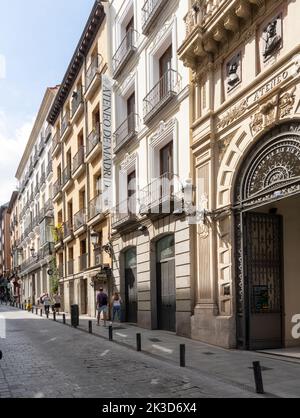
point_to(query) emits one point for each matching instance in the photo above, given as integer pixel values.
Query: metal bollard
(22, 307)
(90, 327)
(1, 355)
(32, 310)
(182, 355)
(41, 313)
(36, 311)
(138, 342)
(54, 316)
(258, 378)
(64, 319)
(47, 314)
(110, 333)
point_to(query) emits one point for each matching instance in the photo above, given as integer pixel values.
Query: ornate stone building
(245, 68)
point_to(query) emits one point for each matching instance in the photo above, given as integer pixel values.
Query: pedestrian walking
(116, 306)
(47, 304)
(57, 303)
(102, 306)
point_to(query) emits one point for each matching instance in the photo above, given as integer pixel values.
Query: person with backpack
(102, 306)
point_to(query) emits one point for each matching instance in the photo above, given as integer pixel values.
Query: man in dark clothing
(102, 306)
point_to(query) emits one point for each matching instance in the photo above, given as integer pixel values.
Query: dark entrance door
(131, 300)
(166, 285)
(263, 280)
(84, 297)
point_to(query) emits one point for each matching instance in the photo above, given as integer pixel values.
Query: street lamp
(95, 238)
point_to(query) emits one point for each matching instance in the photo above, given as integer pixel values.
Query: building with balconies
(151, 238)
(81, 220)
(34, 251)
(244, 65)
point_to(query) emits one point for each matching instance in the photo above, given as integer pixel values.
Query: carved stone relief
(272, 38)
(233, 72)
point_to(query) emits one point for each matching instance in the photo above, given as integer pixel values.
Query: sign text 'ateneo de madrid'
(107, 163)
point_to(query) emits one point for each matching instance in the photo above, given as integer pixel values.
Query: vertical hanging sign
(107, 157)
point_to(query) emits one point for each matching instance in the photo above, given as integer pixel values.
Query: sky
(37, 42)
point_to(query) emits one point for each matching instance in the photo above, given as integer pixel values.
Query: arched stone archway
(266, 203)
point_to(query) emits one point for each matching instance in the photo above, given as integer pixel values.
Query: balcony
(126, 132)
(83, 261)
(80, 221)
(68, 231)
(93, 143)
(162, 197)
(70, 267)
(78, 162)
(48, 133)
(92, 82)
(95, 207)
(65, 125)
(77, 104)
(162, 93)
(49, 168)
(43, 179)
(49, 208)
(125, 51)
(56, 143)
(48, 250)
(67, 177)
(42, 215)
(57, 188)
(41, 146)
(37, 190)
(151, 10)
(125, 214)
(35, 158)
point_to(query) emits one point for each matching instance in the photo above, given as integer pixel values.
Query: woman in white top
(116, 304)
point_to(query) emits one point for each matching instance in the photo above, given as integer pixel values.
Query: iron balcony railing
(70, 267)
(48, 249)
(126, 131)
(92, 70)
(49, 168)
(77, 100)
(160, 193)
(167, 87)
(79, 219)
(48, 133)
(95, 206)
(57, 186)
(42, 214)
(35, 157)
(125, 212)
(41, 146)
(150, 11)
(93, 139)
(49, 206)
(67, 174)
(43, 178)
(83, 262)
(65, 122)
(126, 49)
(55, 141)
(37, 189)
(78, 160)
(68, 229)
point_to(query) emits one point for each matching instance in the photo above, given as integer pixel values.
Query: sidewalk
(281, 375)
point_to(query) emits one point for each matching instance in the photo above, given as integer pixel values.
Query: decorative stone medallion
(234, 72)
(272, 38)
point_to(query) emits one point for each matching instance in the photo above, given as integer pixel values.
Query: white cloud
(12, 145)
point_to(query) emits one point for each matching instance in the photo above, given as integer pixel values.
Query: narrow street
(42, 358)
(45, 359)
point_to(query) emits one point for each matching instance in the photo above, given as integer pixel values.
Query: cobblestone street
(44, 359)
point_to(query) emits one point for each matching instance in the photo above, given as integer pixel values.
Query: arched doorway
(267, 203)
(131, 299)
(166, 285)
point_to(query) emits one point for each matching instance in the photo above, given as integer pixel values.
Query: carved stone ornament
(233, 72)
(272, 38)
(233, 114)
(286, 103)
(257, 123)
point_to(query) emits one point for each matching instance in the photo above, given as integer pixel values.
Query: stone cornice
(88, 36)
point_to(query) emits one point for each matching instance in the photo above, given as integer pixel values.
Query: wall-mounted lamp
(95, 238)
(108, 248)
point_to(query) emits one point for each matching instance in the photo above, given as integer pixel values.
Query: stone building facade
(151, 238)
(245, 68)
